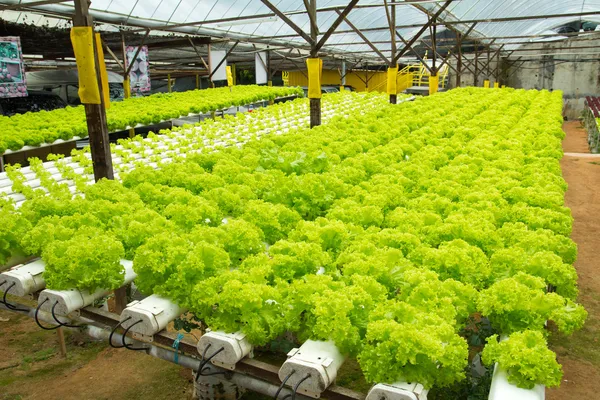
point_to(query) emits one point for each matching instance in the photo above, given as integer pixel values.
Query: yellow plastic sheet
(392, 74)
(126, 88)
(229, 76)
(503, 86)
(82, 38)
(434, 81)
(315, 68)
(342, 88)
(103, 73)
(496, 85)
(486, 84)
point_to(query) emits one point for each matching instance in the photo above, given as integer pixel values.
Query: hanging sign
(139, 76)
(215, 57)
(12, 68)
(285, 76)
(260, 62)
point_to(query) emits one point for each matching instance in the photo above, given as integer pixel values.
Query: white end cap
(24, 279)
(398, 391)
(319, 359)
(235, 347)
(154, 312)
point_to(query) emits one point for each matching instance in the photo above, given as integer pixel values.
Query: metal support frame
(422, 30)
(367, 41)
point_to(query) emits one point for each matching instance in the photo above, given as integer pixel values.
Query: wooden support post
(391, 17)
(95, 113)
(315, 104)
(459, 59)
(62, 345)
(197, 81)
(487, 66)
(121, 299)
(476, 74)
(169, 87)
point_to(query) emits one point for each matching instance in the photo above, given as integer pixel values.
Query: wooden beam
(311, 16)
(223, 60)
(274, 71)
(415, 53)
(114, 56)
(423, 29)
(364, 38)
(198, 52)
(288, 22)
(336, 23)
(137, 52)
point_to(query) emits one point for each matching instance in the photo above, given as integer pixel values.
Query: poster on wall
(139, 76)
(12, 70)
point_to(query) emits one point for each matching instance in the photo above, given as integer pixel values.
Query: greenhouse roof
(493, 23)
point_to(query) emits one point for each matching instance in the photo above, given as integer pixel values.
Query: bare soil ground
(32, 368)
(580, 353)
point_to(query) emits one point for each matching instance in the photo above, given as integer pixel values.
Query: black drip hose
(110, 342)
(128, 347)
(280, 388)
(37, 320)
(298, 385)
(5, 302)
(58, 321)
(206, 361)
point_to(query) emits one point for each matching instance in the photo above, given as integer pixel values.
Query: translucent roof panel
(465, 10)
(217, 18)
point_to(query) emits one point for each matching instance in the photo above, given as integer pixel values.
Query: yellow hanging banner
(392, 74)
(486, 84)
(82, 38)
(496, 85)
(315, 67)
(434, 81)
(126, 88)
(103, 73)
(229, 76)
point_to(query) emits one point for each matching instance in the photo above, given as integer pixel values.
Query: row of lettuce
(391, 233)
(36, 128)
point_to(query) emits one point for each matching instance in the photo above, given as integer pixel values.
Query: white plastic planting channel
(164, 148)
(24, 279)
(398, 391)
(315, 363)
(72, 300)
(149, 316)
(235, 347)
(501, 389)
